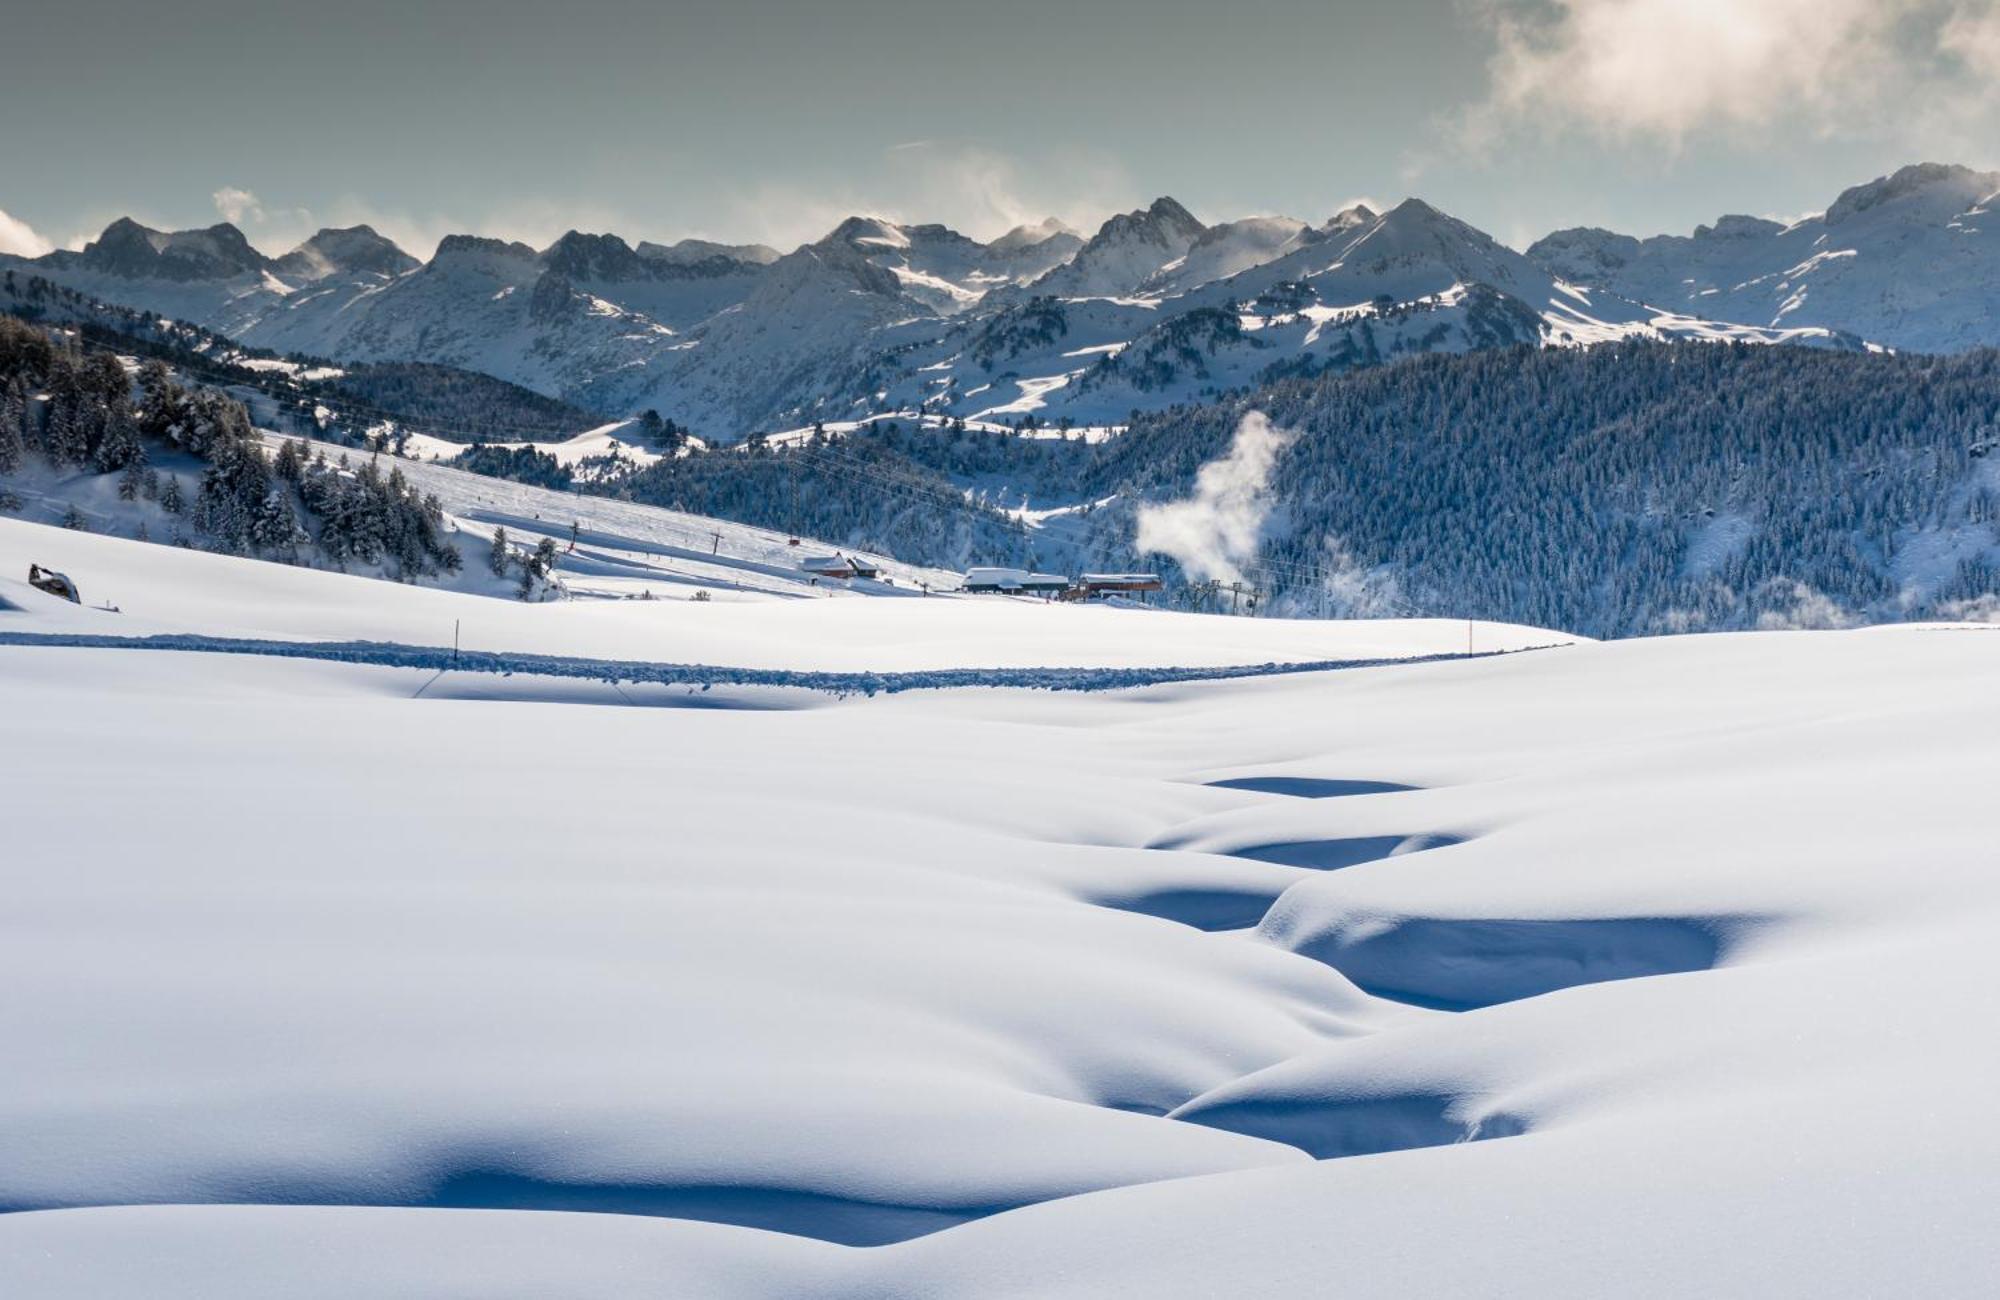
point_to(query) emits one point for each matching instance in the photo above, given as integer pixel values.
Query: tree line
(81, 410)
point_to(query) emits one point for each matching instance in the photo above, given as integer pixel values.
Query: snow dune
(1648, 968)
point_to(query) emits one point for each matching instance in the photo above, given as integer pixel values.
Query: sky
(770, 120)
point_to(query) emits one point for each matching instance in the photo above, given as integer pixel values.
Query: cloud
(276, 229)
(19, 238)
(1214, 533)
(238, 206)
(1973, 37)
(1670, 69)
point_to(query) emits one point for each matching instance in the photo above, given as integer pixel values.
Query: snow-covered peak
(577, 256)
(1909, 260)
(491, 257)
(677, 287)
(934, 264)
(1026, 253)
(1414, 236)
(694, 252)
(867, 232)
(818, 272)
(1738, 226)
(1028, 236)
(1222, 251)
(353, 250)
(1941, 189)
(1585, 255)
(129, 249)
(1125, 252)
(1351, 218)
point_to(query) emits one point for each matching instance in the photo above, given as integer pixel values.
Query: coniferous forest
(80, 410)
(1624, 489)
(1617, 490)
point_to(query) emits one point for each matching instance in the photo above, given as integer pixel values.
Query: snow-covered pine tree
(290, 462)
(13, 418)
(63, 439)
(275, 529)
(119, 446)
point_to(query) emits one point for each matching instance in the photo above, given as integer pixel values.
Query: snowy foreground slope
(161, 590)
(335, 980)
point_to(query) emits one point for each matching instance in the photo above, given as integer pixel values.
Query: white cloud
(237, 205)
(1973, 37)
(19, 238)
(1215, 532)
(1670, 69)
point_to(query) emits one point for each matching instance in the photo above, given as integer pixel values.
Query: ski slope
(1646, 968)
(171, 591)
(624, 549)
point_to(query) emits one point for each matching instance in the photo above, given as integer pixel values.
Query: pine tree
(290, 462)
(119, 447)
(171, 499)
(63, 437)
(132, 480)
(275, 528)
(535, 572)
(496, 559)
(13, 417)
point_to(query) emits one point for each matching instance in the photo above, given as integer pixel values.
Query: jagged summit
(1164, 220)
(459, 246)
(1127, 251)
(858, 230)
(348, 250)
(484, 257)
(1154, 307)
(687, 252)
(1349, 219)
(1029, 236)
(578, 256)
(129, 249)
(1224, 250)
(1908, 260)
(1738, 226)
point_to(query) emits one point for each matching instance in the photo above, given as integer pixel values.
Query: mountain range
(1154, 308)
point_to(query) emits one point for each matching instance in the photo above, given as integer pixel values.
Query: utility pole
(454, 643)
(715, 546)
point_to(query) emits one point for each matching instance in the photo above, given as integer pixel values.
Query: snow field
(1645, 968)
(169, 590)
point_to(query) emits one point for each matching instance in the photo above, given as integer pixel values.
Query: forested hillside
(889, 490)
(187, 462)
(335, 402)
(1617, 490)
